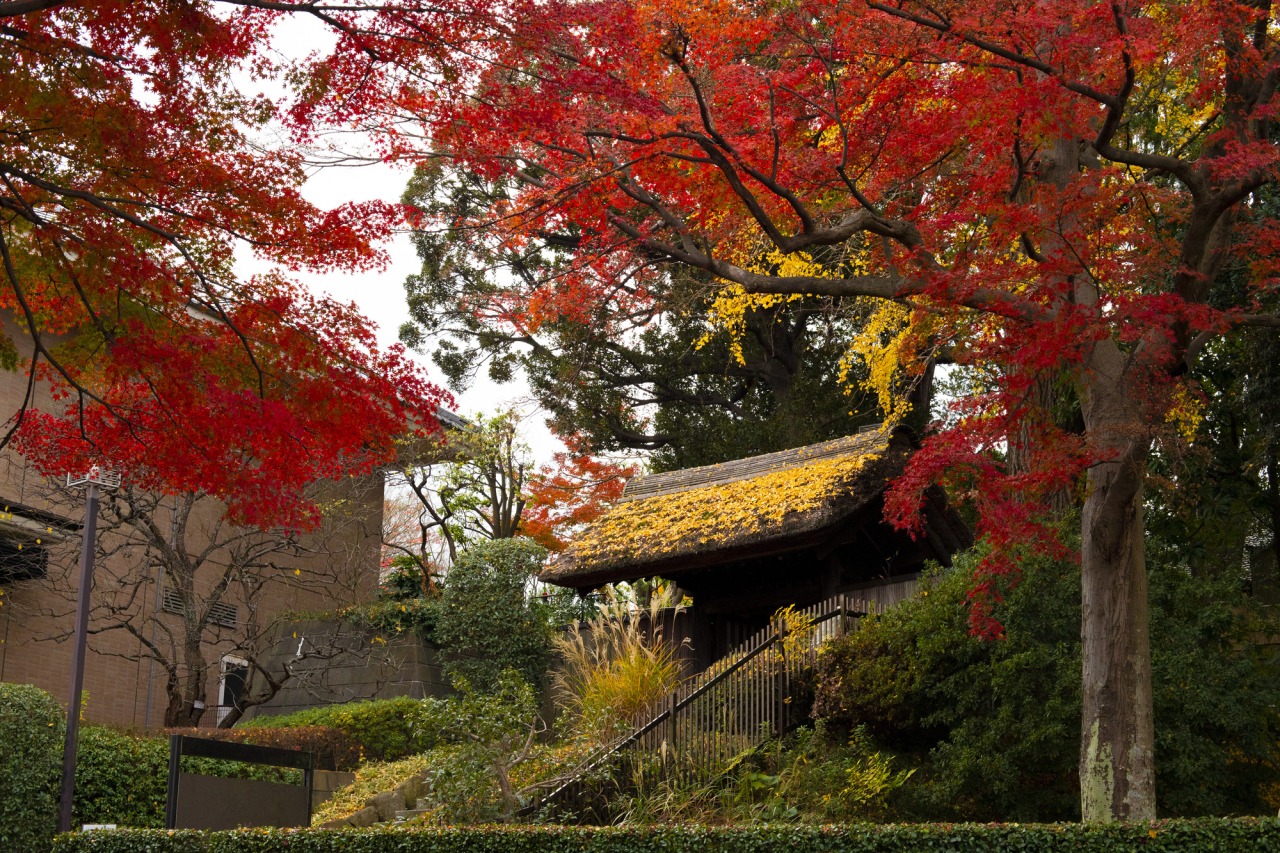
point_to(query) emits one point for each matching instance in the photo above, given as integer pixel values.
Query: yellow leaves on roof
(692, 520)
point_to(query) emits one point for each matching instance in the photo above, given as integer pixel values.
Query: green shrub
(812, 777)
(994, 725)
(395, 616)
(32, 733)
(487, 621)
(490, 735)
(1198, 836)
(408, 601)
(121, 778)
(384, 729)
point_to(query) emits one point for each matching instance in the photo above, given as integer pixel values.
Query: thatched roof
(718, 513)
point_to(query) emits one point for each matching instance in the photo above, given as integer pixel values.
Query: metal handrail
(670, 708)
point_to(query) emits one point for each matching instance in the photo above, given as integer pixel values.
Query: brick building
(239, 583)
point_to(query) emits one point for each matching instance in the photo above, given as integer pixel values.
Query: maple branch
(704, 110)
(983, 299)
(78, 286)
(28, 400)
(1114, 103)
(1115, 112)
(947, 28)
(38, 347)
(1256, 321)
(14, 8)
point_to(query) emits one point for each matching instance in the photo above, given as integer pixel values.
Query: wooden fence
(761, 691)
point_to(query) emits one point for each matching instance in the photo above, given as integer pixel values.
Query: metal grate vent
(226, 615)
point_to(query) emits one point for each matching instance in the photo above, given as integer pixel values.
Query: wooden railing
(740, 701)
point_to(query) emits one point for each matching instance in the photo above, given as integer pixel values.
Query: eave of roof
(27, 522)
(717, 513)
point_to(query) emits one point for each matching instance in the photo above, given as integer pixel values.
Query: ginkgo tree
(1046, 190)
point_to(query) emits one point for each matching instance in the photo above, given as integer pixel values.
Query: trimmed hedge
(1182, 836)
(121, 778)
(31, 734)
(385, 729)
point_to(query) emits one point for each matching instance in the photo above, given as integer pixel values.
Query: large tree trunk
(1117, 747)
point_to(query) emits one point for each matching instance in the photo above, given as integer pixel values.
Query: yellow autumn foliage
(880, 345)
(699, 517)
(1186, 411)
(732, 304)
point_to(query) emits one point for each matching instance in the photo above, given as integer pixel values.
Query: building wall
(124, 687)
(335, 567)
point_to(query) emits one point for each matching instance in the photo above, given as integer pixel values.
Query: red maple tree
(1052, 189)
(131, 170)
(570, 493)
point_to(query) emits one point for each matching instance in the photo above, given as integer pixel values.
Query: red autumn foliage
(702, 132)
(572, 492)
(131, 171)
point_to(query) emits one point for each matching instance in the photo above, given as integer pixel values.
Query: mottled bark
(1273, 501)
(1117, 748)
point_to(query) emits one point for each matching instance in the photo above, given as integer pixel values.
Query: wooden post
(780, 690)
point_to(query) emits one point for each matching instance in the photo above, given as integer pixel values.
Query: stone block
(410, 789)
(367, 816)
(387, 804)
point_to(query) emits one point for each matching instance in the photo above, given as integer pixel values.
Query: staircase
(758, 692)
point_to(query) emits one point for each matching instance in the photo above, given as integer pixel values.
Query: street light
(95, 481)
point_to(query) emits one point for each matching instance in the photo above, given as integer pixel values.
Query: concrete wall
(349, 664)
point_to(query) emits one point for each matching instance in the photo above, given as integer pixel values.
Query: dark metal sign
(197, 801)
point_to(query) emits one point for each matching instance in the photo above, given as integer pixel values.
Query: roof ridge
(685, 479)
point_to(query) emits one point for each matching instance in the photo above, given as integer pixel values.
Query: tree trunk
(1117, 746)
(1273, 501)
(187, 694)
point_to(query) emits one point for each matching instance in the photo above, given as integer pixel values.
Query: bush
(1162, 837)
(490, 735)
(393, 616)
(812, 777)
(487, 621)
(121, 778)
(332, 748)
(384, 729)
(31, 730)
(407, 601)
(994, 725)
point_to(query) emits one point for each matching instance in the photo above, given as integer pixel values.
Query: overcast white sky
(380, 294)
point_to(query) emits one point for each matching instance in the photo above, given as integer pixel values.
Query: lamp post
(94, 481)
